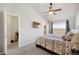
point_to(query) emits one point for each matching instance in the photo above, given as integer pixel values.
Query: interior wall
(1, 30)
(27, 14)
(2, 36)
(72, 22)
(77, 21)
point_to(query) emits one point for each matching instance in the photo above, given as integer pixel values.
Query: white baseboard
(26, 43)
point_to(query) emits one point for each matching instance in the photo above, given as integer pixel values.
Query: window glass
(59, 28)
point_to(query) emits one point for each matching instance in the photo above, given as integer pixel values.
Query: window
(59, 28)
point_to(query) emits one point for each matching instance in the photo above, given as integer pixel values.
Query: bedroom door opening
(12, 32)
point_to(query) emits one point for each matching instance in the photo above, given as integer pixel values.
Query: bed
(57, 43)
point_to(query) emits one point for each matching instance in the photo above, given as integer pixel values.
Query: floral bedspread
(57, 45)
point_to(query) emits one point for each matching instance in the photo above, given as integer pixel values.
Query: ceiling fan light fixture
(52, 10)
(50, 13)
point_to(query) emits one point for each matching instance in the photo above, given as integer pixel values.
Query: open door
(12, 32)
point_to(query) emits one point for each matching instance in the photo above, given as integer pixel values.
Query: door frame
(8, 14)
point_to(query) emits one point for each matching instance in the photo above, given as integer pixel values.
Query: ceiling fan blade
(58, 10)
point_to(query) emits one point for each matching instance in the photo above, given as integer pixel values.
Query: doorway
(12, 32)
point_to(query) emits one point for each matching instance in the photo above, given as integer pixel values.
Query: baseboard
(27, 43)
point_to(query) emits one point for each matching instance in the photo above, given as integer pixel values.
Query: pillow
(75, 38)
(69, 36)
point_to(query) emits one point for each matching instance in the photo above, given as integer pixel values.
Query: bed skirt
(49, 51)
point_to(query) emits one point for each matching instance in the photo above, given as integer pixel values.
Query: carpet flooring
(30, 49)
(12, 46)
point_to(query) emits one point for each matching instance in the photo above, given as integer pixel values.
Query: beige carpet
(30, 49)
(12, 46)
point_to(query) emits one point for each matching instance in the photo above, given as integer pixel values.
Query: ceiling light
(50, 13)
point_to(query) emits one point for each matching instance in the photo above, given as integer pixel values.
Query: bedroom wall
(72, 22)
(77, 20)
(1, 30)
(27, 15)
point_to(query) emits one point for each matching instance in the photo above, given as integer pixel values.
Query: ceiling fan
(51, 10)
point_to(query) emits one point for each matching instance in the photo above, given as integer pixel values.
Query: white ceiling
(68, 10)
